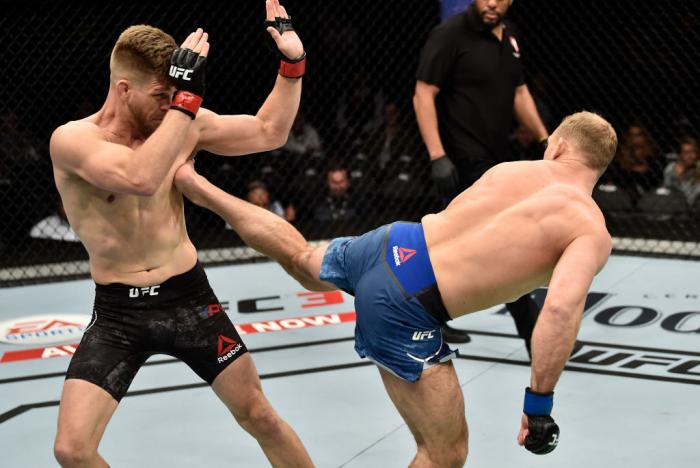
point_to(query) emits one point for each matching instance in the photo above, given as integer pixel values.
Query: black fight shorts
(181, 317)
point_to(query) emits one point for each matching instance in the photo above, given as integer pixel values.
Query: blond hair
(592, 135)
(141, 53)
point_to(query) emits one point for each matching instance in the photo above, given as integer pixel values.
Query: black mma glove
(282, 25)
(445, 177)
(187, 74)
(289, 67)
(543, 436)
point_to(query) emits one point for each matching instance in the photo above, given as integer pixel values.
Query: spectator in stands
(391, 143)
(392, 167)
(694, 197)
(18, 147)
(358, 111)
(23, 158)
(681, 174)
(303, 138)
(639, 165)
(295, 165)
(54, 226)
(258, 194)
(338, 204)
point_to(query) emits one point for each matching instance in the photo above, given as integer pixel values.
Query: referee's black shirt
(477, 75)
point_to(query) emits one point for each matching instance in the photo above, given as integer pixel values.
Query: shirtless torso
(502, 238)
(130, 239)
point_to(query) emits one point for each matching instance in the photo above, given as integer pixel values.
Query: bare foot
(186, 180)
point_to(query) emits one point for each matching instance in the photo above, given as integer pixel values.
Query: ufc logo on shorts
(177, 72)
(147, 291)
(422, 335)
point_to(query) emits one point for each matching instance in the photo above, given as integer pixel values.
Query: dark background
(628, 60)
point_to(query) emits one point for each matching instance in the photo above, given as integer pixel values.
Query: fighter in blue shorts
(398, 305)
(523, 225)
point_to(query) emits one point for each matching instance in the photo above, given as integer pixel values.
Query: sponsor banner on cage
(295, 323)
(43, 329)
(243, 329)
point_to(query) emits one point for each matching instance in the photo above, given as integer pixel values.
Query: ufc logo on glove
(177, 72)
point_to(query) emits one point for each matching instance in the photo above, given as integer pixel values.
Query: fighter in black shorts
(181, 317)
(114, 170)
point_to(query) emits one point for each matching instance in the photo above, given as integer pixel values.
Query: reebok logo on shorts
(402, 255)
(227, 348)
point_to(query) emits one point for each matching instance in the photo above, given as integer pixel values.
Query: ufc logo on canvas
(177, 72)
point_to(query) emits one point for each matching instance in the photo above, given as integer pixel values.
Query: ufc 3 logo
(177, 72)
(147, 291)
(425, 335)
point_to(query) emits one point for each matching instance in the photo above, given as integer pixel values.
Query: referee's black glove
(445, 177)
(540, 147)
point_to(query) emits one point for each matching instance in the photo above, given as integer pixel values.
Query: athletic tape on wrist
(538, 404)
(186, 102)
(293, 68)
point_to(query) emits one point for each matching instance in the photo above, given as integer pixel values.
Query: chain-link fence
(355, 158)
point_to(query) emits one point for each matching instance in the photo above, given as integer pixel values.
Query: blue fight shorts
(397, 302)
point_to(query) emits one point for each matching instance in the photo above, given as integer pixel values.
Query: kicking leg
(433, 408)
(262, 230)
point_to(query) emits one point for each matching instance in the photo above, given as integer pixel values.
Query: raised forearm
(280, 108)
(426, 115)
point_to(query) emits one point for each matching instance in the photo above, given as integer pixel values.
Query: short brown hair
(257, 185)
(592, 135)
(688, 140)
(142, 52)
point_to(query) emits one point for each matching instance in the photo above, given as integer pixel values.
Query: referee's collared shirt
(477, 75)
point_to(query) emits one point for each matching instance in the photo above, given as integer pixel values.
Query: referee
(469, 87)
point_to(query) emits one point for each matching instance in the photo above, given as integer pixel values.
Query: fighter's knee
(460, 455)
(70, 452)
(456, 457)
(453, 455)
(260, 419)
(460, 448)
